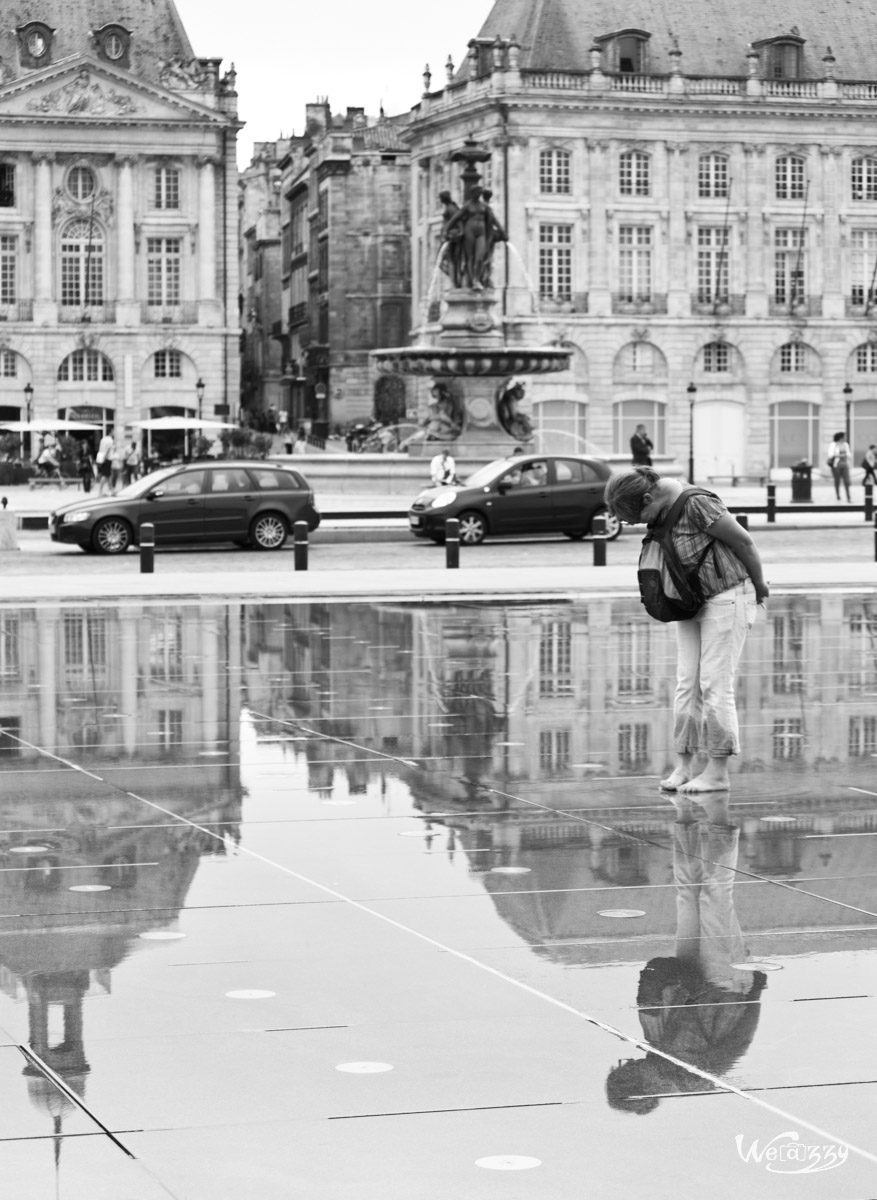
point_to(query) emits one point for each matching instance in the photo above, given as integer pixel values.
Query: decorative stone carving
(82, 95)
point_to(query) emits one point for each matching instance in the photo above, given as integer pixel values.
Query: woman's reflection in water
(695, 1006)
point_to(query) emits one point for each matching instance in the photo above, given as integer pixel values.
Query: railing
(715, 87)
(18, 310)
(170, 314)
(666, 85)
(100, 313)
(639, 84)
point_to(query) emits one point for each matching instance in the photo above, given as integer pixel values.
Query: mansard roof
(157, 33)
(558, 34)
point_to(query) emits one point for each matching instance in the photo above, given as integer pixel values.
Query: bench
(734, 480)
(63, 481)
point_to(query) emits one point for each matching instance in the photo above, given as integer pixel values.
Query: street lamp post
(692, 392)
(848, 400)
(199, 392)
(28, 408)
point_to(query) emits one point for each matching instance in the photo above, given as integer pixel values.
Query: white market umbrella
(46, 425)
(184, 423)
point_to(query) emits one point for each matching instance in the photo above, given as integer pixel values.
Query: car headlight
(78, 514)
(443, 498)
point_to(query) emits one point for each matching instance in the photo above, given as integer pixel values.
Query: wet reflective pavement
(336, 900)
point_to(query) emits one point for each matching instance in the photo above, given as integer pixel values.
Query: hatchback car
(251, 503)
(527, 493)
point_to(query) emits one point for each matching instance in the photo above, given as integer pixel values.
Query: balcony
(88, 314)
(640, 306)
(17, 310)
(170, 314)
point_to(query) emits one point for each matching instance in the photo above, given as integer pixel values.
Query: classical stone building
(345, 246)
(118, 216)
(691, 203)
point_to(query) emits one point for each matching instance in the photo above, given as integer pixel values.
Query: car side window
(232, 479)
(187, 483)
(534, 474)
(567, 470)
(271, 481)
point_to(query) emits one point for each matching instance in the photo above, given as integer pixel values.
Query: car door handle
(193, 500)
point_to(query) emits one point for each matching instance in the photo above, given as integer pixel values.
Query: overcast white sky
(355, 53)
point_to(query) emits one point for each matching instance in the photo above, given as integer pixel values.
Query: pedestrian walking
(85, 465)
(869, 463)
(131, 466)
(840, 456)
(104, 462)
(724, 567)
(641, 447)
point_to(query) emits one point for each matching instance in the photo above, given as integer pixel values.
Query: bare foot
(713, 779)
(677, 777)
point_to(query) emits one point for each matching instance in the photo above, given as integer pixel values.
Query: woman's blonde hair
(624, 492)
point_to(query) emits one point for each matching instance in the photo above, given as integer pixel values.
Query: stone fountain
(478, 389)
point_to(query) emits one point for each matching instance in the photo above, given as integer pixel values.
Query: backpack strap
(662, 531)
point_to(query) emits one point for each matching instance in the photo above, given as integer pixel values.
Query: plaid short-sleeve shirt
(721, 569)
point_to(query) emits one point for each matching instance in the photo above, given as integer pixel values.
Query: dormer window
(35, 44)
(781, 57)
(112, 43)
(626, 51)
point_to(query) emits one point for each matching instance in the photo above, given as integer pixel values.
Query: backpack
(668, 590)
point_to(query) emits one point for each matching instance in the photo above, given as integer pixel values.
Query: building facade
(345, 250)
(118, 218)
(691, 208)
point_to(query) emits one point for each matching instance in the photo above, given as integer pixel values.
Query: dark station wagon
(250, 503)
(527, 493)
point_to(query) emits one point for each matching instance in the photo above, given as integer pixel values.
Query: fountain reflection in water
(469, 352)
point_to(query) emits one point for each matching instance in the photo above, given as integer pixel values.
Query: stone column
(126, 309)
(600, 295)
(48, 626)
(678, 303)
(759, 233)
(835, 168)
(129, 624)
(209, 628)
(44, 307)
(207, 298)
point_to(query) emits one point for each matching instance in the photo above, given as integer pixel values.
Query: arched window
(554, 172)
(82, 265)
(637, 362)
(717, 358)
(634, 174)
(627, 414)
(168, 364)
(712, 176)
(86, 366)
(789, 177)
(630, 53)
(863, 179)
(866, 358)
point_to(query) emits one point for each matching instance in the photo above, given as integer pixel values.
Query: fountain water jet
(468, 358)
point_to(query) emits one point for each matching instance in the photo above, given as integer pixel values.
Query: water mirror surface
(303, 870)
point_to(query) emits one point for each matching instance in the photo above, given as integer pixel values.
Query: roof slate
(157, 33)
(558, 34)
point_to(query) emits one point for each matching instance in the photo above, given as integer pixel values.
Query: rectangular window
(863, 737)
(716, 359)
(554, 174)
(866, 359)
(554, 750)
(82, 270)
(788, 738)
(85, 645)
(635, 263)
(170, 728)
(297, 227)
(8, 364)
(633, 745)
(793, 358)
(634, 660)
(712, 265)
(788, 654)
(789, 266)
(863, 259)
(555, 262)
(10, 667)
(166, 649)
(167, 187)
(163, 270)
(863, 179)
(8, 261)
(633, 178)
(790, 183)
(712, 177)
(555, 659)
(7, 185)
(168, 364)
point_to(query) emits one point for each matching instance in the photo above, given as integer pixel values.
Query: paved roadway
(376, 549)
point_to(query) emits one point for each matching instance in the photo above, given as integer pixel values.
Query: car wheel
(268, 531)
(112, 535)
(613, 525)
(473, 528)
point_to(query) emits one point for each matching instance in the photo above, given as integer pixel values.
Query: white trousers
(709, 648)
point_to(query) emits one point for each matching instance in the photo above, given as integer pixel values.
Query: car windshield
(486, 474)
(141, 486)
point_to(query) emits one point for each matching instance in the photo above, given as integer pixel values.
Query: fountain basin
(447, 361)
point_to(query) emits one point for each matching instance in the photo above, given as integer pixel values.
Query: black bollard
(743, 519)
(147, 548)
(869, 501)
(599, 529)
(300, 545)
(771, 503)
(452, 543)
